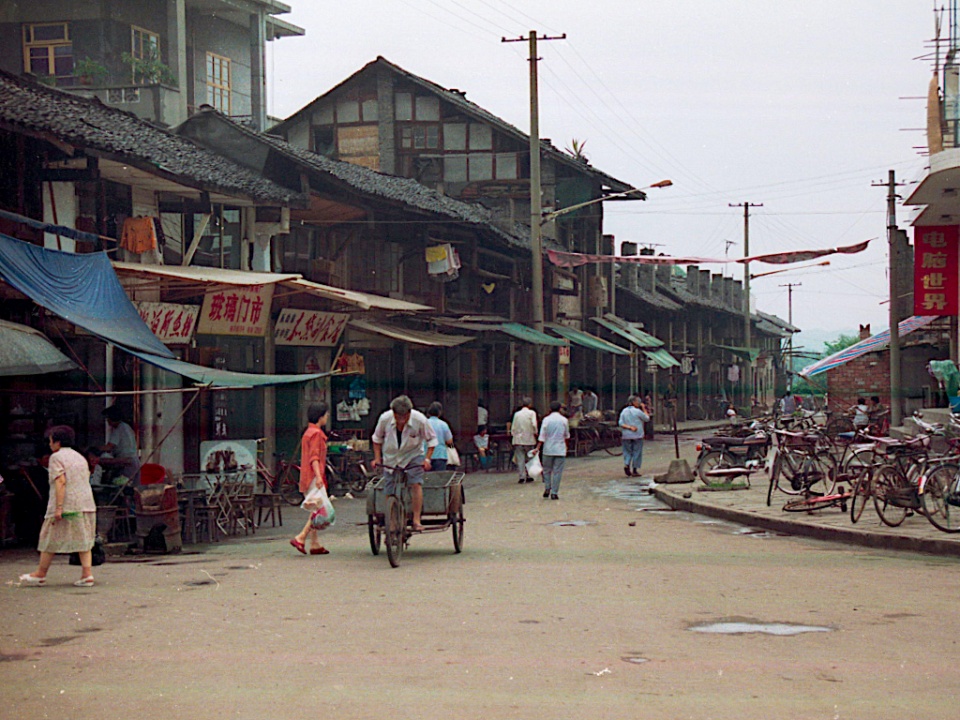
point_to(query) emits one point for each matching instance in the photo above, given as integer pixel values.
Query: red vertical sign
(935, 270)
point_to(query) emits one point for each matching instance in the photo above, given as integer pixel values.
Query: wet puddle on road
(572, 523)
(745, 627)
(638, 494)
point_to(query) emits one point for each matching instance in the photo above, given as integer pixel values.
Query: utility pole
(536, 217)
(790, 287)
(896, 411)
(748, 379)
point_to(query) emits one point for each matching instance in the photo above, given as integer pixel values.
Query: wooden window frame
(30, 42)
(219, 90)
(138, 51)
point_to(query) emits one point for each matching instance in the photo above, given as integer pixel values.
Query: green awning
(662, 358)
(745, 353)
(587, 340)
(628, 332)
(528, 334)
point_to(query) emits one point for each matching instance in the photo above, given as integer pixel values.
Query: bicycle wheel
(395, 529)
(817, 475)
(862, 490)
(940, 500)
(886, 486)
(375, 532)
(816, 502)
(456, 523)
(289, 483)
(712, 461)
(612, 442)
(838, 425)
(357, 479)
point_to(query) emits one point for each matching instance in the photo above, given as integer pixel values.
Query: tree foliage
(841, 343)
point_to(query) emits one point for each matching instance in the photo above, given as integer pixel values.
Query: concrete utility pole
(790, 287)
(536, 213)
(896, 399)
(747, 342)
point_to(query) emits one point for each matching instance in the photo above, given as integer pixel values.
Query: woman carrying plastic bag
(313, 484)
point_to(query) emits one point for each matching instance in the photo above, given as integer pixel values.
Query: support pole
(896, 394)
(747, 341)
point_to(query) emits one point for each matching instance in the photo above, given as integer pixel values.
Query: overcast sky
(800, 106)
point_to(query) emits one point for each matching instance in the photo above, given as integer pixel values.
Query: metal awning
(202, 276)
(744, 353)
(362, 300)
(417, 337)
(587, 340)
(25, 351)
(528, 334)
(662, 358)
(627, 331)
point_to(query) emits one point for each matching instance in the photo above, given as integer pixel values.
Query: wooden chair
(269, 506)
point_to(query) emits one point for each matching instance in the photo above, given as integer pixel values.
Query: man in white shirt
(121, 446)
(523, 431)
(483, 416)
(554, 432)
(398, 443)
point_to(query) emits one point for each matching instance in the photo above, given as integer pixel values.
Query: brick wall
(861, 377)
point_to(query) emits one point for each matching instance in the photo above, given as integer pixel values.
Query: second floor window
(218, 82)
(48, 50)
(145, 45)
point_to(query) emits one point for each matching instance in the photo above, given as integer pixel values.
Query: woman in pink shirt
(313, 464)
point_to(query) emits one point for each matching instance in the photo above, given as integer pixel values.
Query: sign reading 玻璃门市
(935, 268)
(236, 311)
(309, 328)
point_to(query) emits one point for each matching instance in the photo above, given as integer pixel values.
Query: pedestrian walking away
(399, 440)
(554, 433)
(523, 431)
(444, 437)
(632, 420)
(313, 465)
(70, 523)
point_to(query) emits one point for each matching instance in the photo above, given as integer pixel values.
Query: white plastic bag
(535, 467)
(453, 457)
(322, 513)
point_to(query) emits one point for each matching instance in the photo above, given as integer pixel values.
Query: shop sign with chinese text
(236, 311)
(935, 268)
(173, 324)
(309, 327)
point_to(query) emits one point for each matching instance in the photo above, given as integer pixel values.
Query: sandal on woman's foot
(84, 582)
(32, 581)
(319, 551)
(299, 546)
(417, 527)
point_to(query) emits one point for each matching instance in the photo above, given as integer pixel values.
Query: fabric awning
(223, 378)
(528, 334)
(362, 300)
(417, 337)
(662, 358)
(871, 344)
(587, 340)
(81, 288)
(25, 351)
(628, 332)
(744, 353)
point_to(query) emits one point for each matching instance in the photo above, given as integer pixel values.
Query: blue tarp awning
(83, 289)
(223, 378)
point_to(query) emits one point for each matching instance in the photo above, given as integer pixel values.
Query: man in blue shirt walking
(632, 418)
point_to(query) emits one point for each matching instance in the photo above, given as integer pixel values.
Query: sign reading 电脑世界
(935, 268)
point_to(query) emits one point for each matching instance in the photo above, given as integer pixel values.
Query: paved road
(580, 608)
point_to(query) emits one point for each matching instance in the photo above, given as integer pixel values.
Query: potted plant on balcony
(149, 70)
(90, 72)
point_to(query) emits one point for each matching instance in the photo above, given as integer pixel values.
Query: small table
(189, 500)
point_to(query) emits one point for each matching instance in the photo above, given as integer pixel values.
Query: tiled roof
(779, 322)
(389, 187)
(655, 299)
(89, 124)
(458, 99)
(678, 290)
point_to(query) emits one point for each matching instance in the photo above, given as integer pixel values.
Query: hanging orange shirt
(139, 235)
